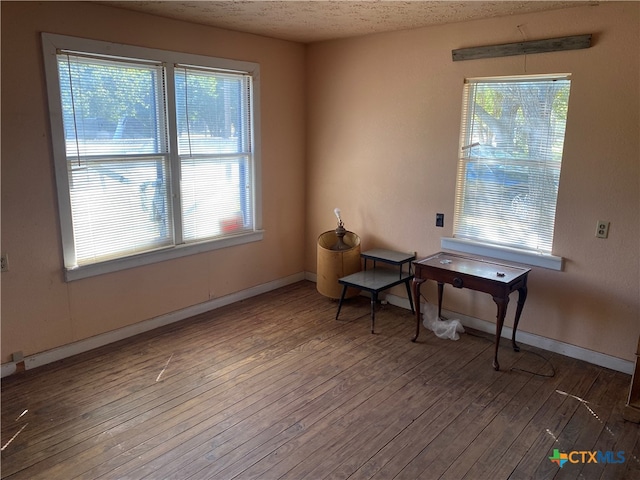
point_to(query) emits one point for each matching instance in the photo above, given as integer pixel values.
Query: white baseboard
(65, 351)
(49, 356)
(573, 351)
(8, 369)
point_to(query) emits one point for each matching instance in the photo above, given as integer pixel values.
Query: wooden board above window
(575, 42)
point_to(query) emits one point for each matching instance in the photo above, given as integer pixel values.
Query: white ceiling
(317, 20)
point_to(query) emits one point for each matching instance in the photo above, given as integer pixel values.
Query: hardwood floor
(274, 388)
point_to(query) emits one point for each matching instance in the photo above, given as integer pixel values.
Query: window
(512, 137)
(156, 153)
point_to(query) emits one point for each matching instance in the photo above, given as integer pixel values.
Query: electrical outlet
(4, 262)
(439, 219)
(602, 229)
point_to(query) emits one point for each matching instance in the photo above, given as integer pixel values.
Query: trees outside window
(512, 138)
(155, 151)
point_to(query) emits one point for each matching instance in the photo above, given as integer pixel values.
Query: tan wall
(384, 119)
(39, 310)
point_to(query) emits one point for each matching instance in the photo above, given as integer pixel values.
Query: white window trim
(149, 258)
(502, 252)
(535, 259)
(51, 43)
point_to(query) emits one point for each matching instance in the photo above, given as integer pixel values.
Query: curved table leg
(522, 296)
(440, 294)
(501, 302)
(415, 287)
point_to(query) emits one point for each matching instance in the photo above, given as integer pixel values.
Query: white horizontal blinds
(214, 145)
(111, 107)
(114, 125)
(512, 139)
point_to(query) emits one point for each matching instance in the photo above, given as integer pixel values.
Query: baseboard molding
(555, 346)
(65, 351)
(8, 369)
(49, 356)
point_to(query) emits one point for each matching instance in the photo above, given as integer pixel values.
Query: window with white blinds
(214, 148)
(511, 144)
(154, 152)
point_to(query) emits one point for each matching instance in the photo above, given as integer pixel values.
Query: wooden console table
(377, 279)
(496, 279)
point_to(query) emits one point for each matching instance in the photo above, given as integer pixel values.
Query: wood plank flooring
(275, 388)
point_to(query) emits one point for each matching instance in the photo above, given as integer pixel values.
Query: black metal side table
(377, 279)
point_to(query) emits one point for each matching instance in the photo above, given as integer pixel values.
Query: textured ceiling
(317, 20)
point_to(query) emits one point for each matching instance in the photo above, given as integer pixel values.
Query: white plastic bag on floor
(447, 329)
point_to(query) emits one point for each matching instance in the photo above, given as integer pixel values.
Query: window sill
(87, 271)
(551, 262)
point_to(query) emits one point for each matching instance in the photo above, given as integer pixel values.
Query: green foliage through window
(512, 140)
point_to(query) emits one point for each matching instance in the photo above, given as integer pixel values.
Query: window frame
(478, 246)
(52, 43)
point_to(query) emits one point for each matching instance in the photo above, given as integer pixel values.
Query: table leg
(440, 294)
(409, 296)
(374, 300)
(415, 287)
(522, 296)
(344, 290)
(501, 302)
